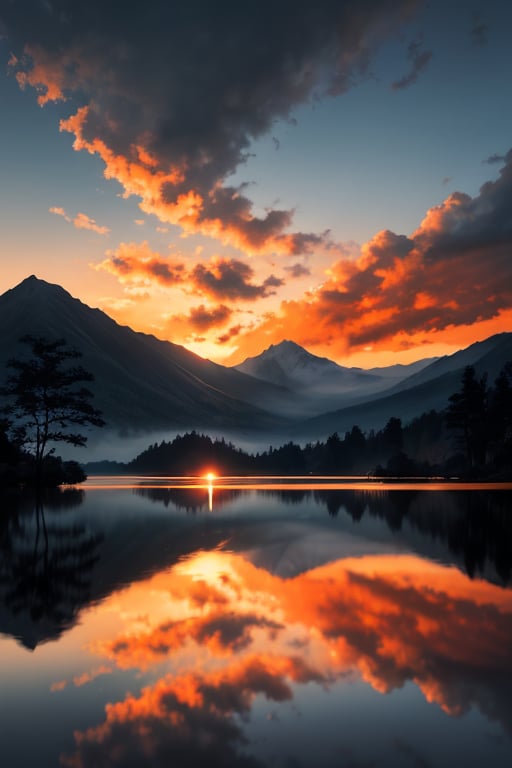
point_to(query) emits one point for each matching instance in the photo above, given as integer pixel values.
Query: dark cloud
(232, 632)
(197, 718)
(174, 93)
(161, 728)
(495, 159)
(231, 333)
(464, 223)
(298, 270)
(203, 318)
(231, 279)
(419, 60)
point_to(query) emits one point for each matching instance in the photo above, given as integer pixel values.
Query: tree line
(471, 438)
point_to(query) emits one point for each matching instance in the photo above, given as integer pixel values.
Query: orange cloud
(223, 634)
(40, 70)
(393, 619)
(58, 686)
(223, 278)
(223, 213)
(173, 142)
(81, 221)
(189, 714)
(453, 272)
(131, 261)
(231, 333)
(84, 679)
(220, 278)
(199, 319)
(88, 677)
(202, 317)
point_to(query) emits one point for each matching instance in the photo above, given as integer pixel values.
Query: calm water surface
(295, 625)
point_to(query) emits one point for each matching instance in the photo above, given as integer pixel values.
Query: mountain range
(143, 384)
(319, 384)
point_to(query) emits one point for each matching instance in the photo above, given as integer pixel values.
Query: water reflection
(45, 570)
(475, 525)
(385, 620)
(192, 500)
(280, 629)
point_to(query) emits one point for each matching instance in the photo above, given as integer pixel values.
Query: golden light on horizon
(210, 477)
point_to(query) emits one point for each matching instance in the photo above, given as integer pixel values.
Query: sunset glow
(210, 477)
(381, 619)
(348, 189)
(288, 623)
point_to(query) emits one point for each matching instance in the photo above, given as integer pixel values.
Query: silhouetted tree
(334, 458)
(392, 436)
(46, 399)
(500, 418)
(46, 570)
(10, 456)
(354, 446)
(468, 414)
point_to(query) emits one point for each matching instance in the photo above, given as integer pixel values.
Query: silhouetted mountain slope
(140, 382)
(402, 371)
(426, 390)
(487, 356)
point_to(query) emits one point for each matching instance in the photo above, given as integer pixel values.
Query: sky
(228, 175)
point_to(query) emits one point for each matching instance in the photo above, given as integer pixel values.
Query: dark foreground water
(291, 625)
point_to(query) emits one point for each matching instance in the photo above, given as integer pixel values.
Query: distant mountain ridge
(428, 389)
(318, 380)
(143, 384)
(290, 365)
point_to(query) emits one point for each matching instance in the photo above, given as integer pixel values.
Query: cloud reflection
(386, 619)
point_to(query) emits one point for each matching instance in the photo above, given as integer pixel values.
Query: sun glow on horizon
(210, 477)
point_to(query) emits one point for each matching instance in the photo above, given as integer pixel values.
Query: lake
(241, 622)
